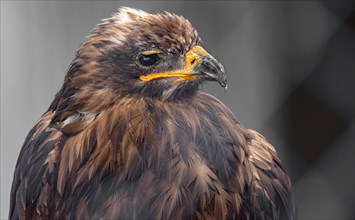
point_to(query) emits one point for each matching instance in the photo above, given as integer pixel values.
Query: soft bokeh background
(291, 77)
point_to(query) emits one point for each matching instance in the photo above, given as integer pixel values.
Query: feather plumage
(113, 147)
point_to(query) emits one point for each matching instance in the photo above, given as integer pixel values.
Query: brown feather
(111, 146)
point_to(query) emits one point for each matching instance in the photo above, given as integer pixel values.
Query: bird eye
(148, 59)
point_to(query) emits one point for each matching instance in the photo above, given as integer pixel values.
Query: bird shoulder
(269, 181)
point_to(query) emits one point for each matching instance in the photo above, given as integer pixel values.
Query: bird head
(134, 53)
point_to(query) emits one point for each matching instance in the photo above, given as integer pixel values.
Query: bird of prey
(131, 136)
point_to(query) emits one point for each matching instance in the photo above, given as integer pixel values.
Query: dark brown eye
(148, 59)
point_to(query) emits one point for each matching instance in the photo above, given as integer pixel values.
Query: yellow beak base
(192, 59)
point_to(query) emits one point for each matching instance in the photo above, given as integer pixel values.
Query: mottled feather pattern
(161, 167)
(112, 146)
(34, 174)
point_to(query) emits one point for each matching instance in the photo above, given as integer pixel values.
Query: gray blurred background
(291, 77)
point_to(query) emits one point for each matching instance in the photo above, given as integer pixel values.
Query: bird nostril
(193, 61)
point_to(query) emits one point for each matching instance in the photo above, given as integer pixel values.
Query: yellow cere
(192, 59)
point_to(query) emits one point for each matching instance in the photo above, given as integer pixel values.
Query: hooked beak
(212, 70)
(199, 64)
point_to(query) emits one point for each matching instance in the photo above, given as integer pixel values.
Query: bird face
(147, 55)
(198, 64)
